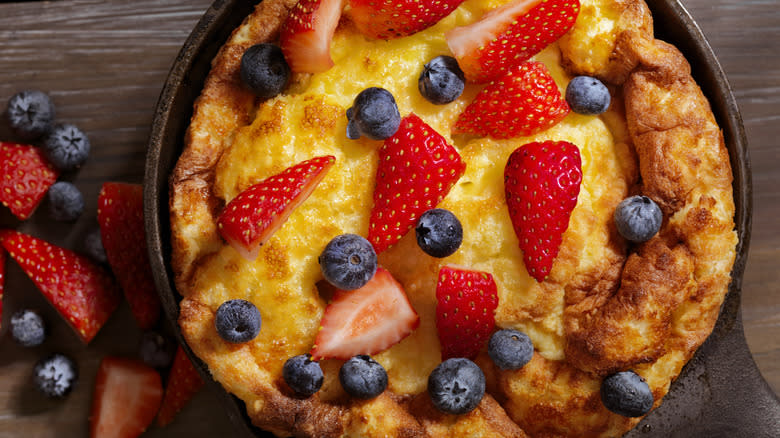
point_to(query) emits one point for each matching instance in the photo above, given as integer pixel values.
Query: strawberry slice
(417, 168)
(522, 103)
(387, 19)
(126, 398)
(367, 320)
(466, 302)
(183, 382)
(542, 181)
(121, 217)
(255, 214)
(82, 292)
(2, 272)
(510, 35)
(306, 34)
(25, 176)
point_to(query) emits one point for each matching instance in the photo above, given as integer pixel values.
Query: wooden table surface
(104, 64)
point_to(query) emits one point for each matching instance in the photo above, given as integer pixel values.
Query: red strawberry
(510, 35)
(465, 310)
(367, 320)
(2, 272)
(121, 217)
(387, 19)
(126, 398)
(25, 176)
(82, 292)
(522, 103)
(306, 34)
(183, 382)
(251, 217)
(542, 181)
(417, 168)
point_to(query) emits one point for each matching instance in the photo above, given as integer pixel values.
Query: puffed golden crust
(646, 307)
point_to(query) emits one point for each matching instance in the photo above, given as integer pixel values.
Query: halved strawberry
(126, 398)
(121, 217)
(251, 217)
(25, 176)
(387, 19)
(465, 310)
(510, 35)
(522, 103)
(542, 182)
(306, 34)
(2, 274)
(367, 320)
(417, 168)
(82, 292)
(183, 382)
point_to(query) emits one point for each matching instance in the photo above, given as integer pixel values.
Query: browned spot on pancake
(272, 124)
(320, 116)
(277, 258)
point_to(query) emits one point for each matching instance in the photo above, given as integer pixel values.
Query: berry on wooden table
(25, 177)
(30, 114)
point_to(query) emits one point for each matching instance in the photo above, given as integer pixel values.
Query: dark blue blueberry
(28, 328)
(31, 114)
(638, 218)
(441, 80)
(55, 375)
(510, 349)
(373, 114)
(66, 147)
(237, 321)
(439, 232)
(156, 350)
(93, 246)
(587, 95)
(264, 70)
(348, 261)
(65, 202)
(456, 386)
(303, 375)
(627, 394)
(363, 377)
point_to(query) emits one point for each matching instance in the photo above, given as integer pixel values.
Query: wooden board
(104, 63)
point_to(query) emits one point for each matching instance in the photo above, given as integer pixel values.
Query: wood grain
(104, 64)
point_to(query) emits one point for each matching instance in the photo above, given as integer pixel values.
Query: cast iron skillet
(720, 393)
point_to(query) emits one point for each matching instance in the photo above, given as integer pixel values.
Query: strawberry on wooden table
(183, 382)
(542, 182)
(525, 101)
(465, 310)
(510, 35)
(125, 400)
(387, 19)
(255, 214)
(2, 272)
(121, 218)
(25, 176)
(367, 320)
(307, 32)
(82, 292)
(417, 168)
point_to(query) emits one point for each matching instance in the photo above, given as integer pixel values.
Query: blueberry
(627, 394)
(303, 375)
(66, 147)
(441, 80)
(156, 350)
(456, 386)
(510, 349)
(65, 202)
(93, 246)
(363, 377)
(237, 321)
(55, 375)
(31, 114)
(264, 70)
(374, 114)
(348, 261)
(28, 328)
(587, 95)
(439, 232)
(638, 218)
